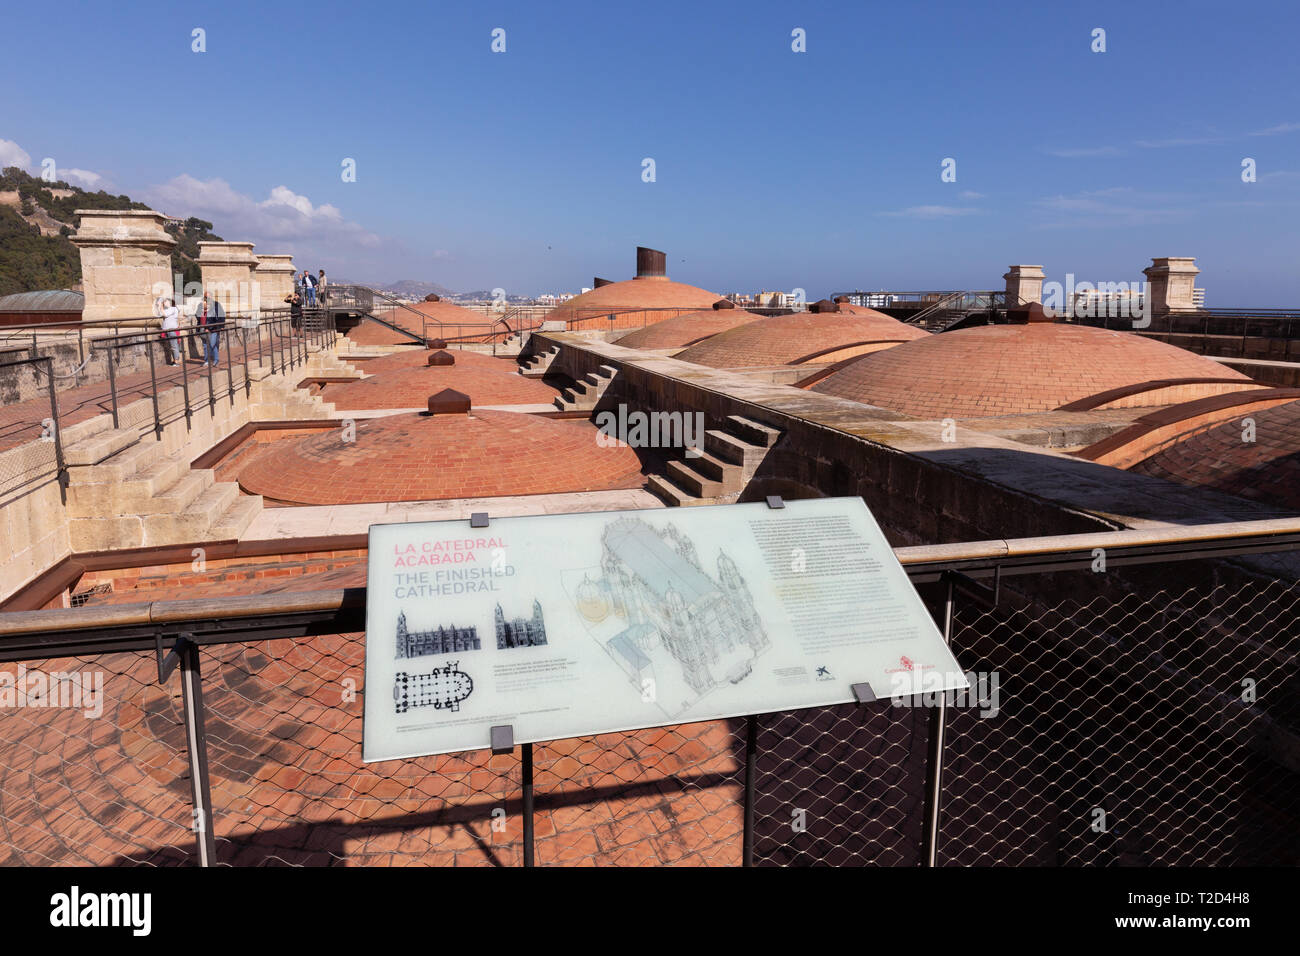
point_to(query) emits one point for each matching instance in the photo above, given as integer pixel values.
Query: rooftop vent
(841, 299)
(449, 402)
(597, 282)
(433, 297)
(441, 358)
(435, 343)
(823, 305)
(650, 263)
(724, 304)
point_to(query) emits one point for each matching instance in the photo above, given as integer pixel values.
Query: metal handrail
(60, 463)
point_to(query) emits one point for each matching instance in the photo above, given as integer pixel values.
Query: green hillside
(30, 261)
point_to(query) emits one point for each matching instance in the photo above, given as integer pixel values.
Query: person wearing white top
(171, 324)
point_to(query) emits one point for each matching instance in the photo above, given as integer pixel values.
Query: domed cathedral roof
(444, 318)
(419, 358)
(452, 451)
(1265, 470)
(649, 297)
(824, 333)
(683, 330)
(1034, 366)
(487, 381)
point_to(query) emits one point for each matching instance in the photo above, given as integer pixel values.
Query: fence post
(153, 391)
(230, 370)
(185, 391)
(62, 473)
(196, 743)
(751, 768)
(528, 803)
(112, 383)
(934, 760)
(248, 386)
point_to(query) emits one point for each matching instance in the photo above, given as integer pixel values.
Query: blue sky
(774, 169)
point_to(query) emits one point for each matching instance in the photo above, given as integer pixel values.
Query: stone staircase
(721, 472)
(536, 366)
(125, 491)
(583, 395)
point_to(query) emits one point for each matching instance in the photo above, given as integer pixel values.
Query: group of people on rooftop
(210, 316)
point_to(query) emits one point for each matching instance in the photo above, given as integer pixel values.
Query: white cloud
(83, 176)
(11, 154)
(1187, 141)
(1077, 152)
(283, 216)
(971, 194)
(930, 212)
(1275, 130)
(1115, 206)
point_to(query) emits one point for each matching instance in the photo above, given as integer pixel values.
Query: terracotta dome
(487, 381)
(456, 320)
(423, 457)
(683, 330)
(416, 357)
(1014, 369)
(650, 297)
(800, 337)
(1266, 470)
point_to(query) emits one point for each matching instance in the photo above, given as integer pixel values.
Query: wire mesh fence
(1134, 717)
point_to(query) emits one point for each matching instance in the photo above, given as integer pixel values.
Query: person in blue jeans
(213, 319)
(309, 288)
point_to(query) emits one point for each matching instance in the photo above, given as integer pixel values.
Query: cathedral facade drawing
(521, 631)
(708, 624)
(440, 640)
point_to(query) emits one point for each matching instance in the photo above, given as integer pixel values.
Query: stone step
(120, 466)
(607, 371)
(237, 518)
(751, 431)
(729, 448)
(83, 430)
(179, 496)
(715, 469)
(95, 448)
(697, 484)
(196, 521)
(669, 493)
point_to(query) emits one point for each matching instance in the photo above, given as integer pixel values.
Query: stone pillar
(125, 262)
(1024, 285)
(1170, 281)
(274, 277)
(228, 274)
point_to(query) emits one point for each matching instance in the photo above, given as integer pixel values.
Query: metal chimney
(650, 263)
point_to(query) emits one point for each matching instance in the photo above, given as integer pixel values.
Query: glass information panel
(577, 624)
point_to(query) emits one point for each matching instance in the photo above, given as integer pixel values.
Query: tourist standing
(309, 288)
(295, 310)
(320, 287)
(171, 331)
(213, 322)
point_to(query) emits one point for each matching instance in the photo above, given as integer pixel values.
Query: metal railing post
(112, 385)
(243, 341)
(196, 744)
(934, 761)
(153, 380)
(61, 473)
(212, 396)
(230, 371)
(185, 391)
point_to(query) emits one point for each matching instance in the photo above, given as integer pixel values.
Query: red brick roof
(686, 329)
(487, 381)
(1265, 470)
(417, 457)
(633, 295)
(1012, 369)
(456, 320)
(801, 336)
